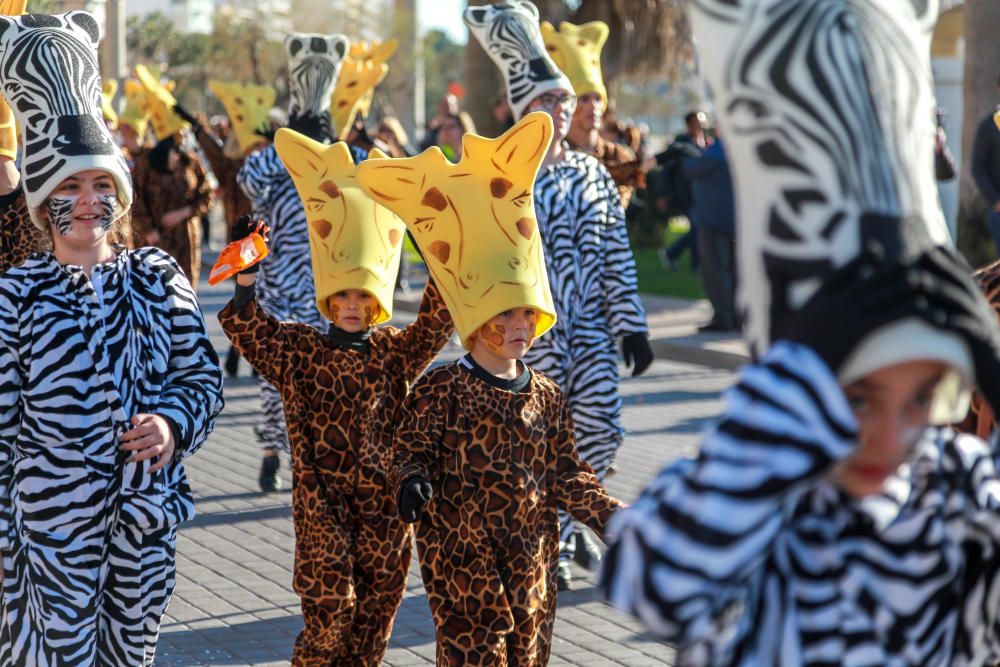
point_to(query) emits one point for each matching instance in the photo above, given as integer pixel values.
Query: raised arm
(688, 558)
(423, 340)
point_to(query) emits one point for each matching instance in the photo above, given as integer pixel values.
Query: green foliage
(443, 63)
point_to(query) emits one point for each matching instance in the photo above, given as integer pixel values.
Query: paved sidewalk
(234, 604)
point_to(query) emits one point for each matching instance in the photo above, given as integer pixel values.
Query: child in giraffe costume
(590, 263)
(342, 390)
(285, 287)
(484, 451)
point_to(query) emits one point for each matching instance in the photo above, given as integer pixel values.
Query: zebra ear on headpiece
(88, 24)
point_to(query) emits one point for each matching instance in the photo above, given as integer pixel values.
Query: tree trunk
(483, 83)
(979, 97)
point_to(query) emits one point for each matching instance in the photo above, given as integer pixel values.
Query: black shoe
(269, 480)
(233, 362)
(564, 576)
(587, 554)
(715, 327)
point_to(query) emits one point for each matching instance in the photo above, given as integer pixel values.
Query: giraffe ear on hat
(299, 153)
(595, 32)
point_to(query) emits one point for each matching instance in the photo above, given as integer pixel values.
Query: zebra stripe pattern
(593, 280)
(827, 108)
(87, 540)
(313, 66)
(748, 555)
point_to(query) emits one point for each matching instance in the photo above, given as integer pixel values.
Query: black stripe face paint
(60, 210)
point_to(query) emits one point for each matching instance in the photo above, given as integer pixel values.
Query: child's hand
(414, 496)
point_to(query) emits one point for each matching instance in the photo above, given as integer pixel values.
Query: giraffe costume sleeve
(261, 339)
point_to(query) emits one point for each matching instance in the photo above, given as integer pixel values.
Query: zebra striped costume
(88, 540)
(593, 280)
(747, 555)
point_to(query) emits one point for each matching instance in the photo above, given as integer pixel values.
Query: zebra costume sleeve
(687, 556)
(192, 391)
(622, 304)
(258, 174)
(10, 401)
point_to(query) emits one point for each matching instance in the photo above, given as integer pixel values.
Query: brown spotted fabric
(19, 237)
(620, 161)
(500, 463)
(352, 552)
(158, 193)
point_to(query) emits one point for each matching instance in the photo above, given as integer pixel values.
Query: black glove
(244, 227)
(413, 497)
(637, 353)
(955, 303)
(853, 301)
(186, 116)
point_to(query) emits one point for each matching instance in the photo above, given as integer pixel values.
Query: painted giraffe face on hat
(475, 220)
(313, 65)
(510, 34)
(355, 242)
(50, 78)
(363, 69)
(828, 115)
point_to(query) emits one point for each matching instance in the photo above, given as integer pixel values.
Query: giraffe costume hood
(160, 101)
(475, 221)
(355, 242)
(364, 68)
(50, 77)
(830, 145)
(247, 106)
(576, 49)
(136, 113)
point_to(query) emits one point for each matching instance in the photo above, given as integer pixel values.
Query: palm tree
(979, 97)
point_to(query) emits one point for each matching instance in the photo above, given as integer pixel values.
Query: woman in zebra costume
(826, 520)
(285, 284)
(590, 264)
(107, 380)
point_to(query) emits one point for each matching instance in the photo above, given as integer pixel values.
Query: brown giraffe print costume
(980, 420)
(234, 201)
(352, 552)
(19, 237)
(501, 463)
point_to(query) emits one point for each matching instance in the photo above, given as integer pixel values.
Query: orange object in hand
(237, 256)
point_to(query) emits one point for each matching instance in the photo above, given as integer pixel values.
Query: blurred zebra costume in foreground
(752, 554)
(87, 539)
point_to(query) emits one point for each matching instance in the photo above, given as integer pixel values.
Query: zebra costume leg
(591, 389)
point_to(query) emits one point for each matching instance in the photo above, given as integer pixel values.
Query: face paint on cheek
(109, 210)
(493, 335)
(60, 210)
(370, 313)
(334, 313)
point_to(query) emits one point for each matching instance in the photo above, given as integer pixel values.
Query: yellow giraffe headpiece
(8, 125)
(355, 243)
(475, 221)
(576, 50)
(108, 90)
(136, 113)
(364, 68)
(247, 106)
(160, 100)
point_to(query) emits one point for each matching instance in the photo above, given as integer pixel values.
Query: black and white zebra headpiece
(827, 109)
(510, 34)
(313, 66)
(50, 77)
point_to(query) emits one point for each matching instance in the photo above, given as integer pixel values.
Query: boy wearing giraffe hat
(484, 451)
(590, 263)
(342, 390)
(285, 286)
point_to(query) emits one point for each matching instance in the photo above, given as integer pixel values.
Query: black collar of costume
(516, 385)
(317, 128)
(350, 341)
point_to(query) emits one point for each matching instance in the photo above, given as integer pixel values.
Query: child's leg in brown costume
(382, 548)
(531, 590)
(324, 580)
